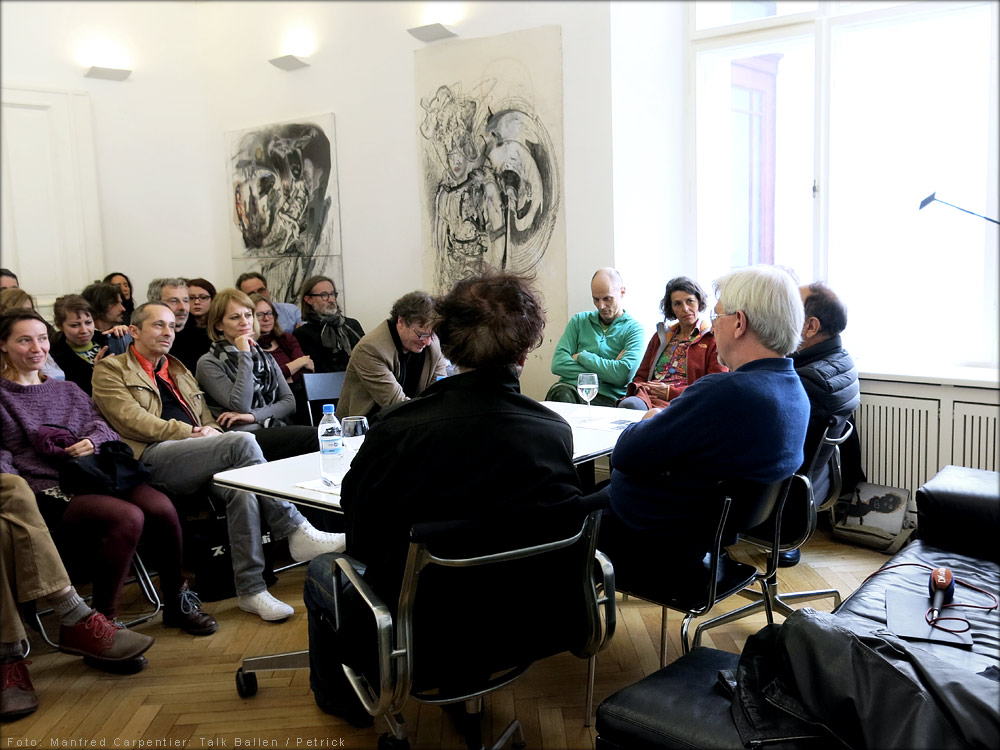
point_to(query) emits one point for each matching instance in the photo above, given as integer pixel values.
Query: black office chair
(467, 625)
(322, 386)
(797, 525)
(696, 589)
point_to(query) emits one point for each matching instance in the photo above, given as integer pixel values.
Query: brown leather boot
(185, 612)
(17, 694)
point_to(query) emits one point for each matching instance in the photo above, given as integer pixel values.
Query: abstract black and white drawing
(490, 133)
(284, 202)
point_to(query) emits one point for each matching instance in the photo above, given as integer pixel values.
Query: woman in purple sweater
(113, 525)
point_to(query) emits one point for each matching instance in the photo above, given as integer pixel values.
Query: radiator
(974, 437)
(899, 440)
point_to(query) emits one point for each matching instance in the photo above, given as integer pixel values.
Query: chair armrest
(605, 573)
(380, 702)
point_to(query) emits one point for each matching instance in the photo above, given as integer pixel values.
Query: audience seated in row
(46, 422)
(159, 409)
(746, 424)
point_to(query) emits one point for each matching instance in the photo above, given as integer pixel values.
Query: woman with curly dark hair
(677, 355)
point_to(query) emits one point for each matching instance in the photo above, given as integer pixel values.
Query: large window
(816, 139)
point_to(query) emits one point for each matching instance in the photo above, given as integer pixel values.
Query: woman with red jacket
(677, 355)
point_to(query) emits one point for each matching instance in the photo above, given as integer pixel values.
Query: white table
(592, 438)
(594, 435)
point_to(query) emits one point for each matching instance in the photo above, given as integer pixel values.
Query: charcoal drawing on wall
(285, 205)
(490, 135)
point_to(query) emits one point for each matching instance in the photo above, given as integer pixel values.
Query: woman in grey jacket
(245, 387)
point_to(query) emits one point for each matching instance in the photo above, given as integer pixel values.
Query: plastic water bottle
(331, 446)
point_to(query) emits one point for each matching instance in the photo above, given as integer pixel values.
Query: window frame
(821, 24)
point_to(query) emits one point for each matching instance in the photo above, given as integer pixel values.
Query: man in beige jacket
(395, 362)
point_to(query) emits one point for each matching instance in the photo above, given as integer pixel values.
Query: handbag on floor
(876, 516)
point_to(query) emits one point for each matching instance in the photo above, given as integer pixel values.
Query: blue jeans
(186, 466)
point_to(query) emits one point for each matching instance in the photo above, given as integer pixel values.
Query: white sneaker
(265, 605)
(307, 542)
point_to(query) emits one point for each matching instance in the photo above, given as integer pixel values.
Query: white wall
(647, 96)
(201, 69)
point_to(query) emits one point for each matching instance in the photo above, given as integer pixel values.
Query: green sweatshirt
(598, 351)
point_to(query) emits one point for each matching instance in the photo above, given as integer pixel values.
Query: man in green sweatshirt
(606, 341)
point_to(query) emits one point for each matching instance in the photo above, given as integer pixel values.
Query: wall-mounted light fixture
(296, 47)
(438, 19)
(104, 59)
(431, 32)
(108, 74)
(288, 62)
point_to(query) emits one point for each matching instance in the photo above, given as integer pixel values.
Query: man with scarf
(327, 335)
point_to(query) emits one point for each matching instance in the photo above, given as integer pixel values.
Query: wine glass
(586, 386)
(354, 429)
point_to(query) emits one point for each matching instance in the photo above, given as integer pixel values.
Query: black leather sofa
(898, 693)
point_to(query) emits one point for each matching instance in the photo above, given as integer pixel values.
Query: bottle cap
(328, 408)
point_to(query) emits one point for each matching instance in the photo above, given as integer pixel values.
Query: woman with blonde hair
(245, 386)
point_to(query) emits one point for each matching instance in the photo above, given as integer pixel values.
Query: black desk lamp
(933, 197)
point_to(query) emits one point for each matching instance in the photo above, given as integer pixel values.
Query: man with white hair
(746, 424)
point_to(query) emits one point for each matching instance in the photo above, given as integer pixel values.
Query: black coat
(469, 447)
(831, 381)
(323, 358)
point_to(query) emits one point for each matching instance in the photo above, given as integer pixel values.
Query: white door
(51, 218)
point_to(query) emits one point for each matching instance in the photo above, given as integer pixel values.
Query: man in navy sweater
(748, 424)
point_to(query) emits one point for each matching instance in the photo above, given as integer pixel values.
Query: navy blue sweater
(748, 424)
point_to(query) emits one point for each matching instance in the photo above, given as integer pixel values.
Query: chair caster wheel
(246, 683)
(388, 742)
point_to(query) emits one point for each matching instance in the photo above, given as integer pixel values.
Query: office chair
(322, 386)
(696, 589)
(467, 625)
(797, 526)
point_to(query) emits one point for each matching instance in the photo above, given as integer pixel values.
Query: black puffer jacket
(831, 381)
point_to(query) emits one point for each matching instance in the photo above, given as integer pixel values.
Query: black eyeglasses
(264, 314)
(323, 295)
(421, 336)
(200, 297)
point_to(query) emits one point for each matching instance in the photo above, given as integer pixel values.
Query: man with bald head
(606, 341)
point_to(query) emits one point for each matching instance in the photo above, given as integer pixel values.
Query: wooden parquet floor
(186, 697)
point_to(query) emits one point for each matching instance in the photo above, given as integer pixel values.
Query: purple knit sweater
(25, 408)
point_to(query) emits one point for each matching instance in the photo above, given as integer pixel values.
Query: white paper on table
(318, 485)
